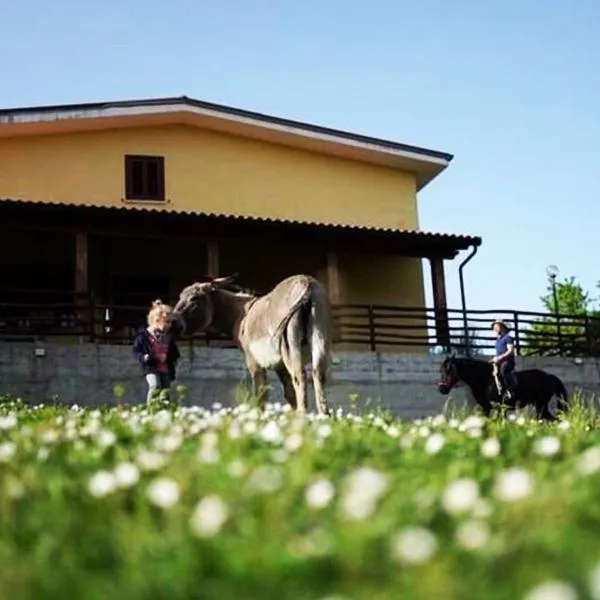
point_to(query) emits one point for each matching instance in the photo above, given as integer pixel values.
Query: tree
(564, 329)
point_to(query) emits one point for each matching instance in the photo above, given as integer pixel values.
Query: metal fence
(42, 314)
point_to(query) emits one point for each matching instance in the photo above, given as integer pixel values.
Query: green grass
(350, 507)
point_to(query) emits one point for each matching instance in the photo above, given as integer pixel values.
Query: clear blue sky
(511, 88)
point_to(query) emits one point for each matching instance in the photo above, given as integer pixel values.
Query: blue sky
(511, 88)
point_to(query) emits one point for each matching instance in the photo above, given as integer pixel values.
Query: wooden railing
(41, 314)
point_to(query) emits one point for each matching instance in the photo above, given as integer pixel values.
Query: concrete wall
(86, 374)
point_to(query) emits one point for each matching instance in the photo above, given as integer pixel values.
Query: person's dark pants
(507, 373)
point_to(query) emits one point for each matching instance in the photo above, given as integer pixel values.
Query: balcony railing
(27, 315)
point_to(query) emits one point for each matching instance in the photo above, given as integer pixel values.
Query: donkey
(281, 330)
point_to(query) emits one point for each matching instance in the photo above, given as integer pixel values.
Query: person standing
(156, 351)
(505, 357)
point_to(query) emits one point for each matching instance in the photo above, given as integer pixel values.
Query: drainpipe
(462, 297)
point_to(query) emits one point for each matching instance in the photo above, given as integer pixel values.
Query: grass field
(186, 503)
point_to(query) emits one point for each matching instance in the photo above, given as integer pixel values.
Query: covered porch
(110, 263)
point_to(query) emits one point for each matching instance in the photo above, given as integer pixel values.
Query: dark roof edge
(230, 110)
(458, 241)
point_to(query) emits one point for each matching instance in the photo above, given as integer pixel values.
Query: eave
(425, 163)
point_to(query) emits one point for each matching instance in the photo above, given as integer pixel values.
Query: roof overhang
(142, 221)
(426, 164)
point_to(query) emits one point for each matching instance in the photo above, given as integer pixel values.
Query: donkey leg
(288, 389)
(259, 384)
(320, 358)
(291, 353)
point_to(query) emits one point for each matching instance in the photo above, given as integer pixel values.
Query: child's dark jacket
(142, 346)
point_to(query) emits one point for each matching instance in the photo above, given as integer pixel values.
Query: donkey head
(195, 310)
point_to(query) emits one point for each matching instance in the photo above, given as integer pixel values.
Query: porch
(89, 273)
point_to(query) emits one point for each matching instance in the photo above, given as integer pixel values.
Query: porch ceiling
(142, 221)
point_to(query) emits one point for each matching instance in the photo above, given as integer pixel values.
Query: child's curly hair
(158, 308)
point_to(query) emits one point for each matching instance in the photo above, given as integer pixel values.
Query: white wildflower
(49, 436)
(594, 582)
(460, 496)
(472, 535)
(589, 461)
(208, 455)
(168, 443)
(513, 484)
(319, 494)
(471, 422)
(265, 479)
(423, 431)
(434, 443)
(323, 431)
(7, 451)
(271, 433)
(249, 427)
(150, 461)
(553, 589)
(546, 446)
(126, 474)
(406, 441)
(236, 468)
(105, 438)
(564, 425)
(163, 492)
(279, 455)
(414, 545)
(362, 489)
(43, 453)
(102, 483)
(293, 442)
(8, 422)
(209, 516)
(393, 431)
(490, 448)
(438, 420)
(162, 420)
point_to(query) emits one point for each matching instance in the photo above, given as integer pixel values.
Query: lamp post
(552, 273)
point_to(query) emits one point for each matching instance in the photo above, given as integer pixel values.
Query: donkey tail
(302, 302)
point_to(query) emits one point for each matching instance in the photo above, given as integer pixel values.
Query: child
(156, 351)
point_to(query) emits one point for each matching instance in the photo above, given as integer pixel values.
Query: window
(144, 177)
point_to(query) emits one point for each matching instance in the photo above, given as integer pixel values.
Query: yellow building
(128, 201)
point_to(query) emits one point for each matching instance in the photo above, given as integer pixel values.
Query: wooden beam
(333, 278)
(212, 251)
(438, 285)
(81, 261)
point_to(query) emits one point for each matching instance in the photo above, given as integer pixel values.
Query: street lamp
(552, 273)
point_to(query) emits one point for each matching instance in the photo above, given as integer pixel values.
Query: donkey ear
(223, 281)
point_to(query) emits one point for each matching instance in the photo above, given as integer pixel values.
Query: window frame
(147, 161)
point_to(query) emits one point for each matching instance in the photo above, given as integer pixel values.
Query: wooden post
(212, 250)
(438, 284)
(81, 281)
(333, 278)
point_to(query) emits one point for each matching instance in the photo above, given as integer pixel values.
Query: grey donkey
(281, 330)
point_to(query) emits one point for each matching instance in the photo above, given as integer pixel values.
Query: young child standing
(156, 351)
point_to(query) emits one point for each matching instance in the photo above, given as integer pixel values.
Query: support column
(333, 278)
(83, 311)
(212, 251)
(438, 285)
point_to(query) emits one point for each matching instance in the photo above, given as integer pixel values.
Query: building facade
(124, 202)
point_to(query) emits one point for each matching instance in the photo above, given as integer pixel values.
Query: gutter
(462, 265)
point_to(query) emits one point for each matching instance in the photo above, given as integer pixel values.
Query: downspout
(462, 297)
